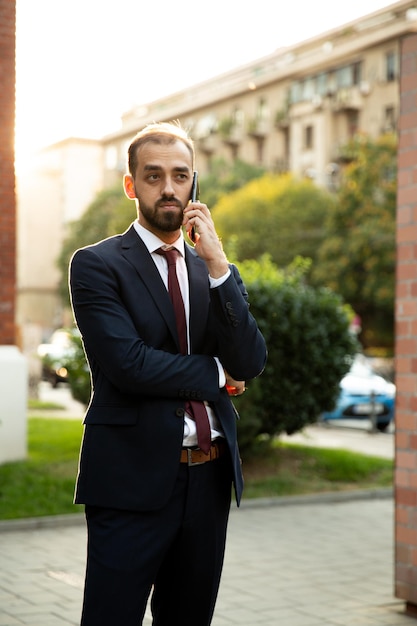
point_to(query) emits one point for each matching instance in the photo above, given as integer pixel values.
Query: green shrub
(310, 348)
(78, 371)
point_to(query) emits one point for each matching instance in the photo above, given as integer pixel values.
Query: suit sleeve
(242, 349)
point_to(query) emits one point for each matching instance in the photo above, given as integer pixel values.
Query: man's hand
(207, 245)
(234, 387)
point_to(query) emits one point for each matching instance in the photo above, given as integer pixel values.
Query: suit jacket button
(180, 412)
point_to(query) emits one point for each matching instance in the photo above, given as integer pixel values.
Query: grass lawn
(41, 405)
(292, 469)
(44, 483)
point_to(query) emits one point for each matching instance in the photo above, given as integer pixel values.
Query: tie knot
(171, 255)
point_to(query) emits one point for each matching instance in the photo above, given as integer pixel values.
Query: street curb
(328, 497)
(36, 523)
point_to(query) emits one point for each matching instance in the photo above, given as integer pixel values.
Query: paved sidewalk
(310, 562)
(321, 560)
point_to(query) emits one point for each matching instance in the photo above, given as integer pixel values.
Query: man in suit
(156, 499)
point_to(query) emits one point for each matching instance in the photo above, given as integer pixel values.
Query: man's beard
(162, 219)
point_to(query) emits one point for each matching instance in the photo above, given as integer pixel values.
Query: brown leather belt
(195, 456)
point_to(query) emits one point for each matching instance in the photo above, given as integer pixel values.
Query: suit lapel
(135, 251)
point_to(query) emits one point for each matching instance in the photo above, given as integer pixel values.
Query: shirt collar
(152, 242)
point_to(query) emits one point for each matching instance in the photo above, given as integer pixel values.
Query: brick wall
(7, 177)
(406, 335)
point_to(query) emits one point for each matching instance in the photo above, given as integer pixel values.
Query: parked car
(55, 355)
(364, 395)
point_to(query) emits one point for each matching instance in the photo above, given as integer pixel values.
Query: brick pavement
(314, 561)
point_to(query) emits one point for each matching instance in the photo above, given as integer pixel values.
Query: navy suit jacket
(134, 423)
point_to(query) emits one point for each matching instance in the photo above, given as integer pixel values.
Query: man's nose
(167, 187)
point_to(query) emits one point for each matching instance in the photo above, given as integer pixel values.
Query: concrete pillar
(13, 404)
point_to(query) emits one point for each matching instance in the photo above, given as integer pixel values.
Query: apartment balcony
(341, 153)
(230, 131)
(258, 128)
(282, 120)
(207, 143)
(349, 98)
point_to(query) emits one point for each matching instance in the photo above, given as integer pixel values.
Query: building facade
(294, 109)
(64, 179)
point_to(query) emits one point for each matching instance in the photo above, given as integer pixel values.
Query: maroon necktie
(196, 410)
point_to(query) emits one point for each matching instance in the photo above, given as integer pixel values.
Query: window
(352, 123)
(205, 126)
(344, 77)
(322, 84)
(262, 112)
(308, 89)
(260, 150)
(357, 73)
(390, 121)
(296, 92)
(238, 117)
(308, 137)
(391, 66)
(349, 75)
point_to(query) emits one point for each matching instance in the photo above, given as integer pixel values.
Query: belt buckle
(190, 461)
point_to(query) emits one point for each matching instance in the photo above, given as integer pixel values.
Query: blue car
(364, 395)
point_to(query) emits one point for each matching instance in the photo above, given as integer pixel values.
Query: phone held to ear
(193, 197)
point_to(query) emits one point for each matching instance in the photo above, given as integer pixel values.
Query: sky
(81, 64)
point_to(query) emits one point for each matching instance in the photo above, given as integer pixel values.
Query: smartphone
(193, 198)
(194, 187)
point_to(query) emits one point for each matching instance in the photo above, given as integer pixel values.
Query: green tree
(276, 214)
(357, 258)
(225, 177)
(78, 371)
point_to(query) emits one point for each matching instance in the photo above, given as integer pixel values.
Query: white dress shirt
(153, 243)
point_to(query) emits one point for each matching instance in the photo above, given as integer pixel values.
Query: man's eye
(153, 177)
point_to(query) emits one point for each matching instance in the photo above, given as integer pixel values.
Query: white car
(54, 356)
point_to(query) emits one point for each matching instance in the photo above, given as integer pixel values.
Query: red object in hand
(231, 390)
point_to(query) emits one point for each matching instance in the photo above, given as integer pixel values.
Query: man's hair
(160, 133)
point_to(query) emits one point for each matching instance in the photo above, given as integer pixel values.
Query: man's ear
(129, 186)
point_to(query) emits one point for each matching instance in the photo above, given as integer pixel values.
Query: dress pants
(178, 550)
